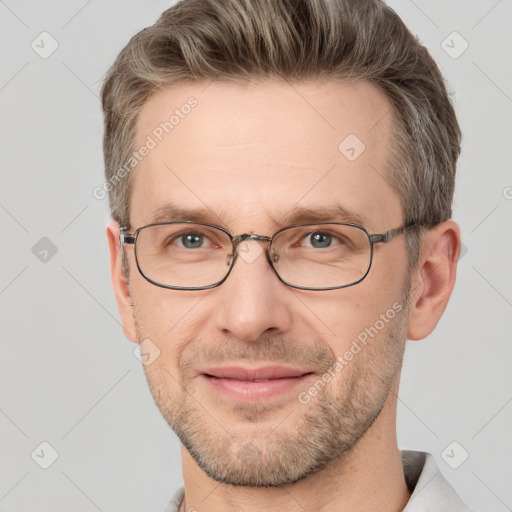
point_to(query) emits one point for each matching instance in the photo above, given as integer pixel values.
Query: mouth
(241, 383)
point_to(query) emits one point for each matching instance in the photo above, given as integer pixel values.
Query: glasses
(197, 256)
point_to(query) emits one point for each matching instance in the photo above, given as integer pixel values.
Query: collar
(431, 492)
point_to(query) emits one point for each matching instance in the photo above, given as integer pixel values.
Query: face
(245, 157)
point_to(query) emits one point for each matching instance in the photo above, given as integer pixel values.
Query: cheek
(346, 314)
(169, 318)
(149, 311)
(343, 318)
(160, 310)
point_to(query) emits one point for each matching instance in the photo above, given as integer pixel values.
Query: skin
(248, 154)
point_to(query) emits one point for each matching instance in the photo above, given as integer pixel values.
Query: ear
(433, 278)
(122, 293)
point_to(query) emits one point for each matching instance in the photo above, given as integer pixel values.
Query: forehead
(248, 153)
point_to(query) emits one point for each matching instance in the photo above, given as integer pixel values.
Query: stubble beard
(262, 453)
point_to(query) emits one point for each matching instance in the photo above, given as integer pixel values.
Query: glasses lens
(321, 256)
(183, 255)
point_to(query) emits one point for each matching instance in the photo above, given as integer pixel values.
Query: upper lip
(264, 372)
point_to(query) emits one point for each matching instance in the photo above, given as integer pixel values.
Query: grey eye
(191, 240)
(320, 240)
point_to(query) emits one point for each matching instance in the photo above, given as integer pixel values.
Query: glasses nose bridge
(237, 240)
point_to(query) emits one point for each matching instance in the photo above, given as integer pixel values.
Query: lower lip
(250, 390)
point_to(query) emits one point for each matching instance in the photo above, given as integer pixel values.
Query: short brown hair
(295, 40)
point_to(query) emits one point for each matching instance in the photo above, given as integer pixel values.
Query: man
(281, 175)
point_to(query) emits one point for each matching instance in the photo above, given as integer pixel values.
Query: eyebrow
(331, 213)
(174, 213)
(297, 215)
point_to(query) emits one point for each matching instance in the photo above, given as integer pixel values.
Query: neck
(369, 477)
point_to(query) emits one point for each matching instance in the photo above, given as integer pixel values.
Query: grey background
(67, 375)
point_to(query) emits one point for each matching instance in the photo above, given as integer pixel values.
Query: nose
(253, 301)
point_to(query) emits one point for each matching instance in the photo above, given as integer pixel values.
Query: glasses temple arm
(392, 233)
(126, 238)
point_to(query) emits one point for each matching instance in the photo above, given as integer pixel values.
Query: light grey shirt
(430, 490)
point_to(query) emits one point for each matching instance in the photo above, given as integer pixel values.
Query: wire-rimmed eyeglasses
(197, 256)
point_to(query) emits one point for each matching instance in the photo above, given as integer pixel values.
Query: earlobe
(121, 290)
(433, 279)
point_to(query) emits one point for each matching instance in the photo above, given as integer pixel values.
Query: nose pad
(274, 257)
(229, 259)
